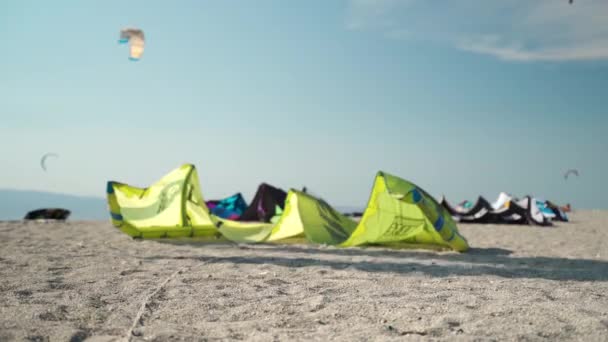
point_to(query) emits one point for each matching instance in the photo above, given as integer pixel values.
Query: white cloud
(514, 30)
(590, 50)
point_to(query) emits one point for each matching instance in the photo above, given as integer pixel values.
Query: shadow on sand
(475, 262)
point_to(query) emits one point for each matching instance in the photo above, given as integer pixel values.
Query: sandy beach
(79, 281)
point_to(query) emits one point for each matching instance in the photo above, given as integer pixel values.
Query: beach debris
(135, 38)
(137, 323)
(37, 338)
(413, 332)
(80, 335)
(45, 157)
(394, 330)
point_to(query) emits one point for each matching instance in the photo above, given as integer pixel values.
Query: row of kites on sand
(398, 213)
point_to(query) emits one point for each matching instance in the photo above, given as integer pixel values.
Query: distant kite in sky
(570, 172)
(43, 159)
(135, 38)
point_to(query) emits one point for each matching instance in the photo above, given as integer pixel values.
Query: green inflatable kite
(398, 212)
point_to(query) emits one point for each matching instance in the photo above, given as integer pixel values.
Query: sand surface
(88, 281)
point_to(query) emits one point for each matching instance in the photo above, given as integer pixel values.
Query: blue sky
(462, 98)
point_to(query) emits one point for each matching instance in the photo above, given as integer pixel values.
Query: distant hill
(14, 204)
(349, 209)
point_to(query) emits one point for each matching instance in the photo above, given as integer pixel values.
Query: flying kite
(43, 159)
(135, 38)
(570, 172)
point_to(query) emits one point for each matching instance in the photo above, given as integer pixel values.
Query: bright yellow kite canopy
(398, 212)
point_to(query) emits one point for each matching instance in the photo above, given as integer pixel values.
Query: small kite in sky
(135, 38)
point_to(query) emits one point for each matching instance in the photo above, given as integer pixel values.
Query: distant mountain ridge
(14, 204)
